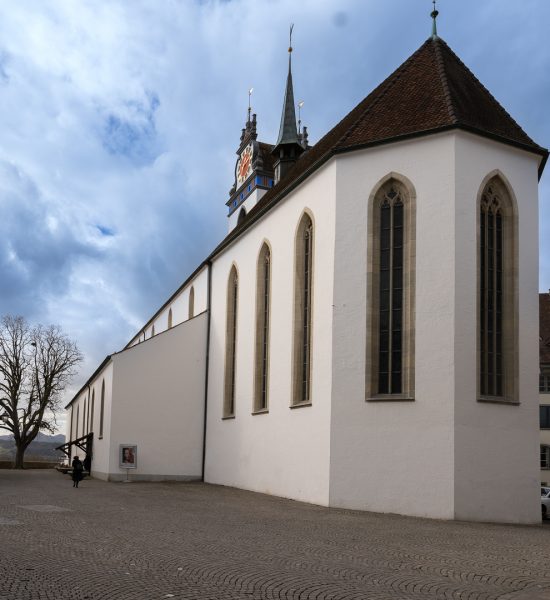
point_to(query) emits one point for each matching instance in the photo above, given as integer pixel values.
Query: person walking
(78, 467)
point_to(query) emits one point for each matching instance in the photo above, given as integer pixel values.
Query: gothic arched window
(92, 411)
(263, 307)
(497, 364)
(303, 295)
(191, 307)
(231, 343)
(102, 408)
(170, 319)
(390, 320)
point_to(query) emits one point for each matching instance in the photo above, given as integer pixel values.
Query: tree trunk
(19, 457)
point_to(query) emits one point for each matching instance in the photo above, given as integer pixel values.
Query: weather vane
(434, 14)
(290, 38)
(249, 105)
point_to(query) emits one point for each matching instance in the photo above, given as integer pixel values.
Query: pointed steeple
(288, 132)
(288, 147)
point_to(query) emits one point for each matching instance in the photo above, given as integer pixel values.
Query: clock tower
(253, 173)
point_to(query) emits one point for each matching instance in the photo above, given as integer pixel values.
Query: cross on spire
(434, 14)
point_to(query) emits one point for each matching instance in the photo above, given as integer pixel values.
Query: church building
(366, 335)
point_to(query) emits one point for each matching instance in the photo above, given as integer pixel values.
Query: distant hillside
(42, 448)
(41, 437)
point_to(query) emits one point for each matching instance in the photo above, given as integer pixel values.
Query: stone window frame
(191, 303)
(259, 407)
(102, 409)
(231, 339)
(408, 193)
(297, 323)
(510, 261)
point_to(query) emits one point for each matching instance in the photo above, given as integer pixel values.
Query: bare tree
(36, 365)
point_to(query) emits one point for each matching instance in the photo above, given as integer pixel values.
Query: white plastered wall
(395, 456)
(100, 462)
(496, 446)
(84, 399)
(285, 451)
(158, 388)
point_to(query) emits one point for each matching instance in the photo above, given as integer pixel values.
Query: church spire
(288, 147)
(288, 132)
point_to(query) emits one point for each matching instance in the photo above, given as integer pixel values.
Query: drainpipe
(209, 317)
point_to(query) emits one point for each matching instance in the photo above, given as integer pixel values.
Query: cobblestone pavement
(117, 541)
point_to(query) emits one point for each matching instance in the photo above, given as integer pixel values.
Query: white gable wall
(286, 451)
(395, 456)
(497, 446)
(159, 391)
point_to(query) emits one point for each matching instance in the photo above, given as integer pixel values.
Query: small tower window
(170, 319)
(242, 215)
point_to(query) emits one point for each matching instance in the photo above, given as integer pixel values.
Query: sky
(119, 123)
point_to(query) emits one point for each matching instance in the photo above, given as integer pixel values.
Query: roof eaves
(92, 376)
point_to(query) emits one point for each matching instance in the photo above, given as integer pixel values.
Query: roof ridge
(492, 99)
(444, 81)
(387, 84)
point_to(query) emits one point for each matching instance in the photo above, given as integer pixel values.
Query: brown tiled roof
(544, 318)
(430, 92)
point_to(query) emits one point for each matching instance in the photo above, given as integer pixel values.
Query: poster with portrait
(128, 456)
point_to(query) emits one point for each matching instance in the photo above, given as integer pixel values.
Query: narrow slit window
(191, 311)
(303, 286)
(92, 411)
(102, 408)
(263, 307)
(231, 343)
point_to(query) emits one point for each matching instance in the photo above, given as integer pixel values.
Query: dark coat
(78, 467)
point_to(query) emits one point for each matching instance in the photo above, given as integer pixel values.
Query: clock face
(244, 165)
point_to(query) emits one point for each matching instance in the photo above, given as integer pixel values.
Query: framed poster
(127, 456)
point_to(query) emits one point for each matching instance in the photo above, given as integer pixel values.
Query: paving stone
(109, 541)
